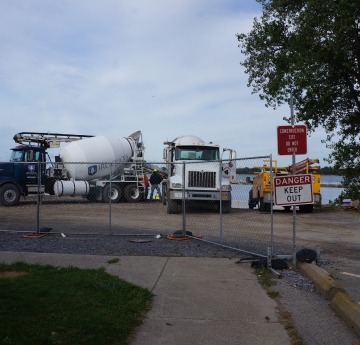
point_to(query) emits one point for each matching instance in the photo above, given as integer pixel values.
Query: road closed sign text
(293, 190)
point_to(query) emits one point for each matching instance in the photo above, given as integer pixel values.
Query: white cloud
(115, 67)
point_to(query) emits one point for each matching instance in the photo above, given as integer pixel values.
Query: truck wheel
(163, 192)
(172, 206)
(226, 206)
(306, 208)
(252, 202)
(114, 194)
(9, 195)
(132, 193)
(264, 207)
(287, 208)
(91, 196)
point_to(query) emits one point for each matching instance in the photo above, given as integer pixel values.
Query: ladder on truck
(138, 160)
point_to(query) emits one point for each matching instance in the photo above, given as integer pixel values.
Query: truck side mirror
(165, 154)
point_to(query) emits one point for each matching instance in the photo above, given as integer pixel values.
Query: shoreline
(332, 185)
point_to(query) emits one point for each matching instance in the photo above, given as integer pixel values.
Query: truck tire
(92, 196)
(172, 206)
(306, 208)
(163, 192)
(9, 195)
(226, 206)
(132, 193)
(115, 193)
(252, 202)
(264, 207)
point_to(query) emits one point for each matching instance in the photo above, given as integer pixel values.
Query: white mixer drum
(98, 152)
(71, 188)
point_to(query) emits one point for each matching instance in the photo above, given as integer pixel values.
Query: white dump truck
(197, 172)
(97, 167)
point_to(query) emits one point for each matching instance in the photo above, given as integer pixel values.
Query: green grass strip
(52, 305)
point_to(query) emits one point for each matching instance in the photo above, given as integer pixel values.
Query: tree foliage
(311, 49)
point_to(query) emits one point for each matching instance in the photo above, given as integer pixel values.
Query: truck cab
(20, 175)
(195, 168)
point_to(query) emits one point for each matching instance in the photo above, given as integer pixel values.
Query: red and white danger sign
(293, 190)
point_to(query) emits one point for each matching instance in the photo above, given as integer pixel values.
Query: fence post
(183, 200)
(271, 208)
(110, 208)
(38, 199)
(220, 201)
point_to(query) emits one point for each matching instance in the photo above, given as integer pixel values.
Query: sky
(113, 67)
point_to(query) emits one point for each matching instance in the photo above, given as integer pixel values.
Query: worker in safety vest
(155, 180)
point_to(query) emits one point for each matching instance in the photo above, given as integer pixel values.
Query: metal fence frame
(224, 237)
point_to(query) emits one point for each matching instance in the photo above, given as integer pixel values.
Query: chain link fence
(209, 201)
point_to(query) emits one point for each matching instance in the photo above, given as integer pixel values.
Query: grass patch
(327, 209)
(113, 261)
(289, 326)
(273, 294)
(265, 277)
(51, 305)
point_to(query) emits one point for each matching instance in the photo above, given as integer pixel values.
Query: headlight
(176, 185)
(226, 187)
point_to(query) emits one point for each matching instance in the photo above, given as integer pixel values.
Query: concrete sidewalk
(197, 300)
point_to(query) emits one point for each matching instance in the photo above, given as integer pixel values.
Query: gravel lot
(336, 231)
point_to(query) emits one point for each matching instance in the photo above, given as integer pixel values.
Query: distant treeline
(322, 171)
(246, 170)
(329, 171)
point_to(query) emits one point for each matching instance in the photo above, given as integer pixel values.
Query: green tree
(311, 49)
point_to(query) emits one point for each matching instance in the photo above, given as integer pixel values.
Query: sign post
(292, 140)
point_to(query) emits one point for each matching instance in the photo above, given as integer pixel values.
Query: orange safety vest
(146, 181)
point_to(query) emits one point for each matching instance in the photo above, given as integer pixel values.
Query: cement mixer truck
(99, 168)
(198, 173)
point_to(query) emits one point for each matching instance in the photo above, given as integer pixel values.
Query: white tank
(188, 140)
(71, 188)
(92, 151)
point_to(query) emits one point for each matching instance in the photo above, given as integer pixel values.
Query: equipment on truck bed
(260, 194)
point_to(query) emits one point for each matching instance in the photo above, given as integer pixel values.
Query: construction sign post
(293, 190)
(292, 140)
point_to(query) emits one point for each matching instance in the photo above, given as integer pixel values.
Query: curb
(348, 309)
(327, 286)
(344, 305)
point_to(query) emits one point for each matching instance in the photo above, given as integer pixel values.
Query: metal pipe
(183, 204)
(293, 173)
(38, 200)
(271, 208)
(220, 202)
(110, 205)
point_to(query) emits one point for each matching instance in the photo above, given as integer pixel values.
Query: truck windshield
(16, 156)
(196, 153)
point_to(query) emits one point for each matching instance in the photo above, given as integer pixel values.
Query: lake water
(241, 192)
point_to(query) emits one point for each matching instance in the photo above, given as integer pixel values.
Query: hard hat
(155, 170)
